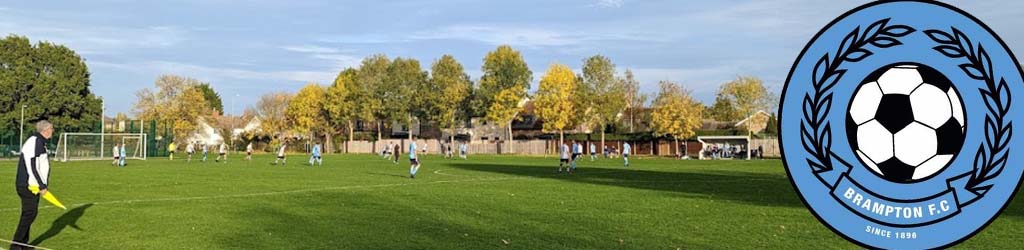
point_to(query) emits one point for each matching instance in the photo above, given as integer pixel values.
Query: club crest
(897, 127)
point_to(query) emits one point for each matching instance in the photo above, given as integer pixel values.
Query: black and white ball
(906, 122)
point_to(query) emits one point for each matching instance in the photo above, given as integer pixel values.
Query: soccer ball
(905, 122)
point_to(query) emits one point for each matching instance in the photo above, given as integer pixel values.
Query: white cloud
(609, 3)
(93, 39)
(310, 49)
(522, 35)
(338, 57)
(219, 74)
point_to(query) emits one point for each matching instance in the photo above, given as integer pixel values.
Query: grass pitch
(486, 202)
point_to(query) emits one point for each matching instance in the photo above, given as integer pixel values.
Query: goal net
(96, 146)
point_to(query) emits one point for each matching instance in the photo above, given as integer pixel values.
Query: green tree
(451, 87)
(505, 75)
(635, 99)
(340, 104)
(212, 98)
(740, 98)
(369, 92)
(305, 111)
(403, 98)
(554, 99)
(177, 100)
(675, 113)
(51, 81)
(603, 97)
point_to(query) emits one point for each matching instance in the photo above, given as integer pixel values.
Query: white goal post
(99, 146)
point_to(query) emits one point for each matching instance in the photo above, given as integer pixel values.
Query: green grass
(364, 202)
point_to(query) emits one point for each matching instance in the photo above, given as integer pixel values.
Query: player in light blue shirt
(462, 150)
(593, 151)
(123, 155)
(315, 156)
(625, 153)
(414, 163)
(577, 152)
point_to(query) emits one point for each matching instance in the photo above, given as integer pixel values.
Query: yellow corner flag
(48, 197)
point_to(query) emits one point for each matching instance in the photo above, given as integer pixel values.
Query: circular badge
(897, 126)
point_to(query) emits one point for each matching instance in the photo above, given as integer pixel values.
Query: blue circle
(890, 32)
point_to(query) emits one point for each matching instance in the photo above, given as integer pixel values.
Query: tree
(271, 109)
(403, 96)
(305, 111)
(51, 81)
(554, 99)
(452, 86)
(177, 100)
(340, 104)
(741, 98)
(756, 122)
(369, 91)
(602, 95)
(505, 81)
(634, 100)
(675, 113)
(212, 98)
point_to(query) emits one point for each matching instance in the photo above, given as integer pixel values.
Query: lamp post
(231, 134)
(21, 134)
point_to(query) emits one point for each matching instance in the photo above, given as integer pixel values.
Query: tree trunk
(380, 125)
(351, 132)
(676, 146)
(328, 142)
(631, 120)
(510, 151)
(602, 140)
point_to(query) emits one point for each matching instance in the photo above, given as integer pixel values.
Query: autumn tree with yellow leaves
(675, 113)
(554, 99)
(306, 112)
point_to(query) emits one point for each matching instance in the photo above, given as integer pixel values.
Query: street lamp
(21, 135)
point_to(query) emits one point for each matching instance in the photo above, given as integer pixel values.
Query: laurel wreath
(815, 130)
(991, 157)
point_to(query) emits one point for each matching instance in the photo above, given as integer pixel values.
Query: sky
(246, 48)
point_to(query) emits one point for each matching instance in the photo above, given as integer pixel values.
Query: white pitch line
(273, 193)
(26, 245)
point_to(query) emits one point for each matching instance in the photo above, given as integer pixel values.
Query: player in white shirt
(386, 153)
(563, 160)
(280, 155)
(117, 155)
(190, 149)
(248, 152)
(222, 153)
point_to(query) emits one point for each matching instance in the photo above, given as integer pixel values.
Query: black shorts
(191, 153)
(563, 160)
(248, 153)
(222, 154)
(172, 151)
(625, 155)
(280, 157)
(414, 161)
(316, 157)
(592, 153)
(116, 158)
(575, 155)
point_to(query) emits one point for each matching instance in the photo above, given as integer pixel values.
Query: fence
(548, 147)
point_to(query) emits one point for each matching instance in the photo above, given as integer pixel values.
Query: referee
(33, 170)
